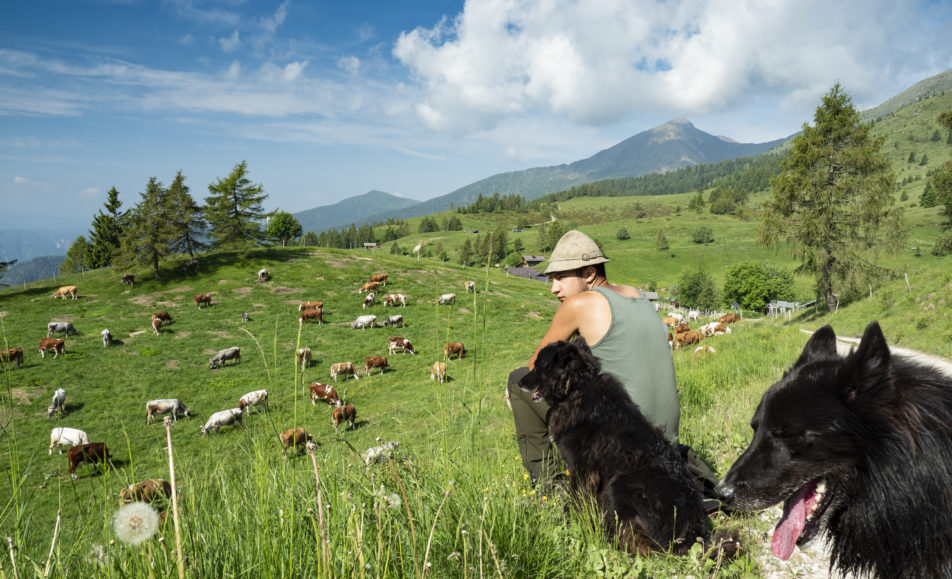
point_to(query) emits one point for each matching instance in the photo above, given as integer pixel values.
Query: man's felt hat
(575, 250)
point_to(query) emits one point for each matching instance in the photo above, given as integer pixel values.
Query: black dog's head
(809, 431)
(559, 368)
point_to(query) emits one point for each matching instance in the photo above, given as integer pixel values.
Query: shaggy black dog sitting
(649, 501)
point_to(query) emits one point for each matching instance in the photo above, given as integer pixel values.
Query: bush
(754, 285)
(703, 234)
(622, 234)
(943, 245)
(697, 289)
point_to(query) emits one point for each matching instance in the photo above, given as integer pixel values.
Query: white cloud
(19, 180)
(186, 40)
(90, 192)
(294, 70)
(231, 43)
(350, 64)
(598, 61)
(187, 10)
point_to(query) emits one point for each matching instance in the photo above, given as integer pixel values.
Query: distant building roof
(528, 273)
(653, 296)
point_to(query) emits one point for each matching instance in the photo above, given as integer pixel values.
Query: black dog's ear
(582, 344)
(869, 363)
(582, 363)
(821, 345)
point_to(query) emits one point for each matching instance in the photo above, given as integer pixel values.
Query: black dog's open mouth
(802, 513)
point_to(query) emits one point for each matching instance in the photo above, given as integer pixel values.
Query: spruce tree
(106, 234)
(148, 237)
(187, 223)
(77, 257)
(833, 200)
(234, 211)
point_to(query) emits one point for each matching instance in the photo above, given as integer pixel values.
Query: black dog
(858, 448)
(641, 484)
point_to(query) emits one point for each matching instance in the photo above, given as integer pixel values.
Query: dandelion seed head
(394, 500)
(136, 523)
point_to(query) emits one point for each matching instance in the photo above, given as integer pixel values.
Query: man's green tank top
(635, 350)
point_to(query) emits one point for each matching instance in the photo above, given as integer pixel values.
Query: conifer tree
(940, 183)
(106, 234)
(76, 257)
(234, 211)
(833, 200)
(148, 237)
(661, 242)
(187, 222)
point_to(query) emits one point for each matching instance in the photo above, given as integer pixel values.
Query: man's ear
(588, 273)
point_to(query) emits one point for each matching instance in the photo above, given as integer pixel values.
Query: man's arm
(566, 322)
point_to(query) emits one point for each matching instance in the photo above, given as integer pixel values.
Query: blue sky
(327, 100)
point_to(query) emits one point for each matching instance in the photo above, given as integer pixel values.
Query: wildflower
(454, 556)
(136, 523)
(394, 500)
(525, 476)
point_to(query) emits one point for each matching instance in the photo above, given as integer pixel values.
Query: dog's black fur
(877, 430)
(649, 501)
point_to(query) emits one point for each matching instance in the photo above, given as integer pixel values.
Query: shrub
(943, 245)
(622, 234)
(703, 234)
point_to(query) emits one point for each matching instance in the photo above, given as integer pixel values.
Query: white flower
(394, 500)
(136, 523)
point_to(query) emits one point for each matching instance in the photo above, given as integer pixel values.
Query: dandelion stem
(175, 517)
(429, 541)
(49, 559)
(13, 559)
(311, 447)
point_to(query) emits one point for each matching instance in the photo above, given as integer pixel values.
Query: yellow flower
(532, 493)
(525, 476)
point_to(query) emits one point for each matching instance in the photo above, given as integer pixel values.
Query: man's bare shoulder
(624, 290)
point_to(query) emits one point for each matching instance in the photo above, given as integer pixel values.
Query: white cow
(165, 406)
(364, 321)
(64, 436)
(447, 299)
(233, 353)
(106, 337)
(693, 315)
(58, 403)
(258, 397)
(222, 418)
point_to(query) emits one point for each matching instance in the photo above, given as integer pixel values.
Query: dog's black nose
(724, 492)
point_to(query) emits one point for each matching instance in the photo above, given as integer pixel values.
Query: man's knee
(513, 385)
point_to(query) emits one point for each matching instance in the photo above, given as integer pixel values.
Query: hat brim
(572, 264)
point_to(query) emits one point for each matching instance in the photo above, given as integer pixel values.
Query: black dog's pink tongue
(791, 524)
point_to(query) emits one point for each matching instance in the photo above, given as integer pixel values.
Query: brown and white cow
(393, 299)
(346, 414)
(369, 300)
(164, 316)
(58, 346)
(203, 299)
(302, 356)
(380, 278)
(129, 279)
(307, 315)
(324, 392)
(311, 306)
(371, 362)
(295, 437)
(344, 369)
(438, 371)
(156, 490)
(14, 355)
(686, 339)
(469, 286)
(714, 329)
(66, 290)
(702, 351)
(171, 406)
(92, 453)
(370, 286)
(397, 343)
(454, 348)
(256, 398)
(729, 318)
(156, 325)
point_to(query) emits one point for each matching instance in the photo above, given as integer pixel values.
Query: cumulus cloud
(596, 61)
(19, 180)
(350, 64)
(90, 192)
(230, 43)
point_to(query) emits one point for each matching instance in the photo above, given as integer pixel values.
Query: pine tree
(234, 210)
(148, 237)
(187, 223)
(833, 200)
(106, 234)
(661, 242)
(77, 257)
(466, 253)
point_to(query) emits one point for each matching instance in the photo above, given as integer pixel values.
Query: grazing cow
(156, 325)
(447, 299)
(256, 398)
(65, 436)
(58, 346)
(469, 286)
(165, 406)
(106, 337)
(12, 355)
(156, 490)
(369, 300)
(66, 290)
(681, 328)
(55, 327)
(693, 315)
(233, 353)
(343, 369)
(686, 339)
(244, 316)
(454, 348)
(58, 403)
(394, 320)
(372, 362)
(729, 318)
(164, 316)
(702, 351)
(92, 453)
(294, 437)
(392, 299)
(129, 279)
(380, 278)
(222, 418)
(190, 266)
(396, 343)
(303, 356)
(370, 286)
(346, 414)
(438, 371)
(714, 329)
(378, 453)
(311, 306)
(312, 315)
(263, 275)
(203, 299)
(677, 316)
(670, 322)
(324, 392)
(364, 321)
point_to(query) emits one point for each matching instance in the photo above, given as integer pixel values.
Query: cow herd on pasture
(80, 450)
